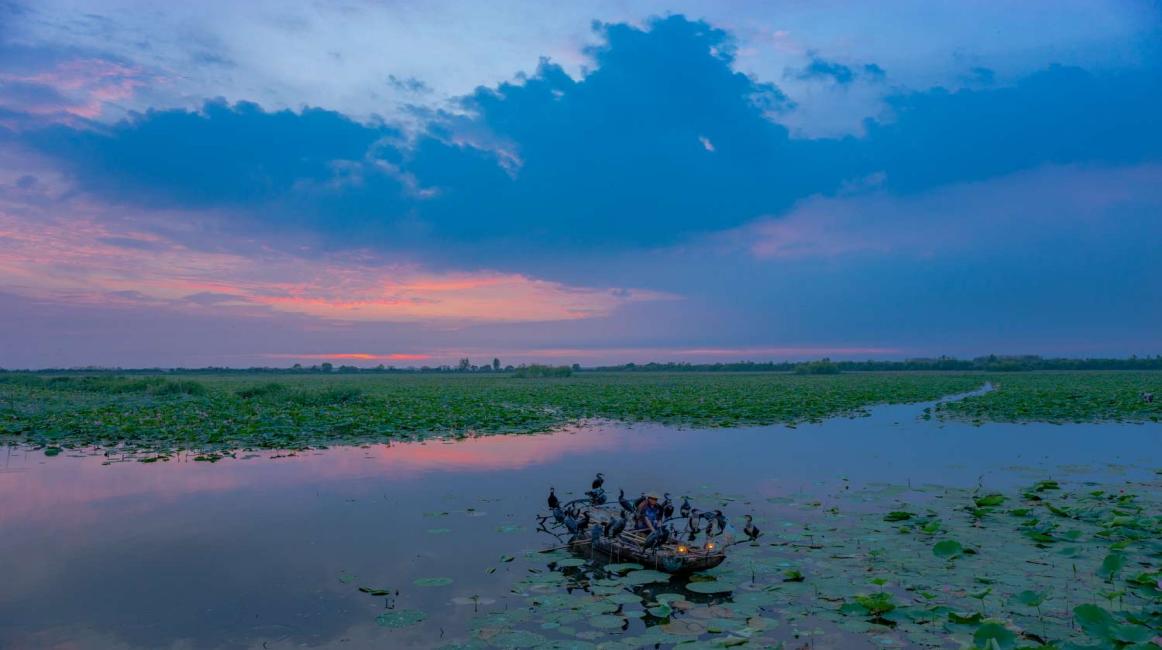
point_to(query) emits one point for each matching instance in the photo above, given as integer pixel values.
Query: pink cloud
(90, 260)
(77, 88)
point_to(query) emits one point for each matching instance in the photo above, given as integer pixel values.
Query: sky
(269, 183)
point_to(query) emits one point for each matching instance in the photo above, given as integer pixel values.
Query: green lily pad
(375, 591)
(607, 622)
(400, 618)
(710, 587)
(432, 582)
(622, 567)
(1030, 598)
(948, 549)
(645, 577)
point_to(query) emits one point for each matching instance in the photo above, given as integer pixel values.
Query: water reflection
(260, 552)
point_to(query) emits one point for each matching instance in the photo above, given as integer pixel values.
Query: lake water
(264, 551)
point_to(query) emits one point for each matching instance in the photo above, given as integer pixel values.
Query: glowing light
(682, 549)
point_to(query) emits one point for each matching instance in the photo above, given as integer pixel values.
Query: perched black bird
(685, 509)
(667, 506)
(596, 496)
(660, 536)
(638, 501)
(553, 500)
(616, 526)
(692, 525)
(709, 517)
(583, 522)
(599, 481)
(721, 519)
(558, 515)
(625, 503)
(752, 531)
(571, 523)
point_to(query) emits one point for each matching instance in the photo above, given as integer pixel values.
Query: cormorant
(571, 524)
(553, 500)
(558, 515)
(660, 536)
(667, 506)
(625, 503)
(596, 496)
(616, 526)
(599, 480)
(692, 525)
(721, 519)
(686, 507)
(583, 522)
(752, 531)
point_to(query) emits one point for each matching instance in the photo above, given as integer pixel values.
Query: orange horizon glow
(90, 261)
(355, 356)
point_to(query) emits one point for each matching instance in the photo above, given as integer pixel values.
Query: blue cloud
(1058, 115)
(660, 140)
(820, 68)
(222, 153)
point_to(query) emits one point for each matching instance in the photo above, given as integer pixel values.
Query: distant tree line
(990, 363)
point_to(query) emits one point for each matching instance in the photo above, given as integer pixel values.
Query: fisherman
(649, 513)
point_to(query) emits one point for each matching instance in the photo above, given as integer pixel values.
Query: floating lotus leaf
(1095, 620)
(622, 567)
(1030, 598)
(375, 591)
(624, 598)
(400, 618)
(661, 611)
(683, 628)
(432, 582)
(712, 587)
(645, 576)
(607, 622)
(948, 549)
(518, 639)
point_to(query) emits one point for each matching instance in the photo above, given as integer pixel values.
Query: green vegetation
(296, 411)
(1064, 397)
(1046, 567)
(233, 411)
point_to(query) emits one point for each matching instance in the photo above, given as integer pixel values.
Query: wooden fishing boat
(674, 556)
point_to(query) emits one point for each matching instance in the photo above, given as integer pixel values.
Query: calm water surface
(268, 552)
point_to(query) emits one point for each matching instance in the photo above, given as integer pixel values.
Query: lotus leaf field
(1048, 567)
(219, 414)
